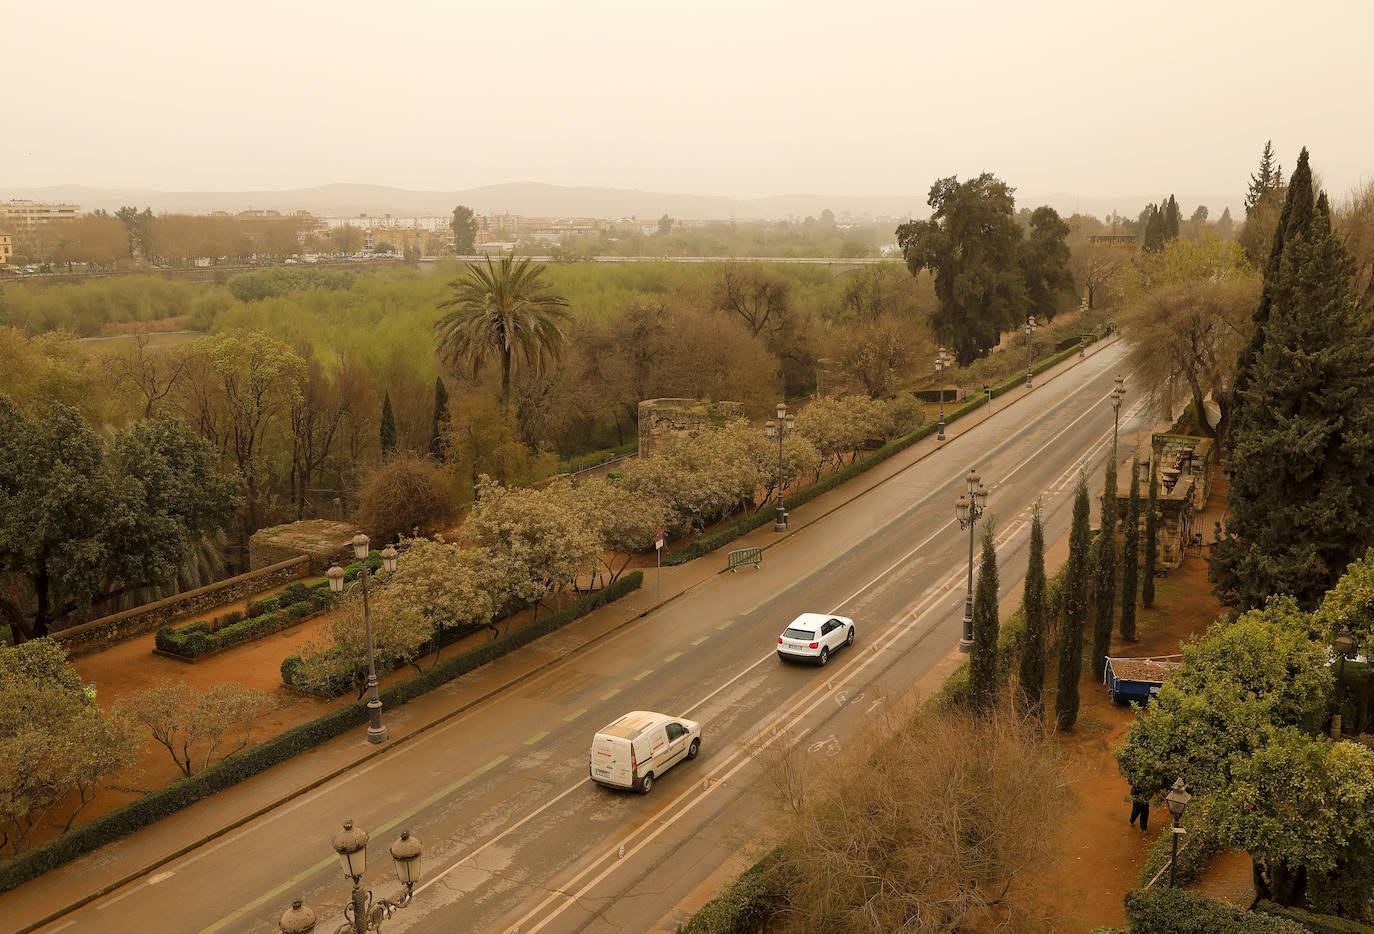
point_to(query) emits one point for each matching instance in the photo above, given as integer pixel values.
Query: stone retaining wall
(117, 627)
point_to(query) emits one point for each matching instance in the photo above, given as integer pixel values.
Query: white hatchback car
(814, 637)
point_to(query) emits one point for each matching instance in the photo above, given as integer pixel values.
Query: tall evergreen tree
(1153, 238)
(1033, 652)
(388, 430)
(1104, 576)
(1077, 586)
(1151, 558)
(983, 654)
(1295, 215)
(1171, 220)
(1301, 500)
(1130, 555)
(1264, 181)
(1044, 262)
(436, 433)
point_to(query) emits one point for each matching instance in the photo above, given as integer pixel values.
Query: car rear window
(793, 633)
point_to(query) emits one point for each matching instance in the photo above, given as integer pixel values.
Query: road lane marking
(327, 861)
(609, 694)
(701, 640)
(573, 716)
(536, 738)
(726, 624)
(643, 674)
(671, 657)
(733, 763)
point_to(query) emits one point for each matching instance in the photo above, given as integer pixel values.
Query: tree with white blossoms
(340, 660)
(449, 586)
(54, 742)
(540, 531)
(197, 727)
(624, 521)
(838, 427)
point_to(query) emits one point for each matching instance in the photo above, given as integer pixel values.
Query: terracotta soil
(131, 666)
(1099, 854)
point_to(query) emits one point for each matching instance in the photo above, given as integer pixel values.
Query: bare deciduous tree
(197, 727)
(939, 828)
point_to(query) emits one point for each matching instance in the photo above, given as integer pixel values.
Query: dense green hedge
(297, 601)
(1162, 910)
(743, 908)
(1319, 924)
(1197, 849)
(135, 815)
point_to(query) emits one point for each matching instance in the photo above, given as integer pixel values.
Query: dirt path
(1102, 856)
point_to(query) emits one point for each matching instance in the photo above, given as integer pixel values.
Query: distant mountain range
(539, 200)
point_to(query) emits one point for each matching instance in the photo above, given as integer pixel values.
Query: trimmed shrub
(1164, 910)
(1196, 851)
(232, 617)
(126, 819)
(294, 592)
(743, 908)
(1310, 921)
(256, 608)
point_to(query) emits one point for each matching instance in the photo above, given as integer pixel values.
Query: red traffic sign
(658, 534)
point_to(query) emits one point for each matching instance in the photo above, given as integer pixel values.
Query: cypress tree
(1171, 220)
(1147, 582)
(1033, 651)
(1076, 589)
(1301, 501)
(1153, 240)
(1104, 575)
(1104, 601)
(1130, 555)
(436, 433)
(388, 432)
(983, 654)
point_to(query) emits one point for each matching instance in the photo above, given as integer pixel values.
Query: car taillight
(814, 645)
(634, 763)
(779, 640)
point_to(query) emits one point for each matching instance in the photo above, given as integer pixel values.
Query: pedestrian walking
(1140, 807)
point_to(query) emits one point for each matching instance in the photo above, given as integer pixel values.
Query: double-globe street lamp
(1344, 644)
(1118, 394)
(1177, 799)
(943, 360)
(969, 509)
(1030, 347)
(376, 733)
(779, 430)
(363, 913)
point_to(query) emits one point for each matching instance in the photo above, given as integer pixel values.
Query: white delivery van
(638, 748)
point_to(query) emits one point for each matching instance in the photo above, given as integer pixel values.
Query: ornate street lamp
(968, 510)
(363, 913)
(943, 359)
(1030, 347)
(1177, 799)
(1344, 644)
(1082, 330)
(779, 429)
(1118, 394)
(376, 733)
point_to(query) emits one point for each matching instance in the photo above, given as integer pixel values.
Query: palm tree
(502, 309)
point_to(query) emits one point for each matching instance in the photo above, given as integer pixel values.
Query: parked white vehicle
(635, 750)
(814, 637)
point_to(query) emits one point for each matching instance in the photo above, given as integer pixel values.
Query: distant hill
(540, 200)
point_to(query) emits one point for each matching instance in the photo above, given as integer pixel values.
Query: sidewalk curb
(148, 867)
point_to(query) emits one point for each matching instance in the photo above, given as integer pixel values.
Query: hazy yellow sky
(746, 98)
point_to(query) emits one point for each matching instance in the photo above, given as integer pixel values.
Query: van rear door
(611, 760)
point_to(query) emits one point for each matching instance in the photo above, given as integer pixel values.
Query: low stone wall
(108, 630)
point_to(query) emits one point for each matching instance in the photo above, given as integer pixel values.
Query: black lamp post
(1343, 644)
(1118, 394)
(1177, 799)
(779, 430)
(968, 510)
(376, 733)
(1082, 332)
(942, 361)
(1030, 347)
(364, 914)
